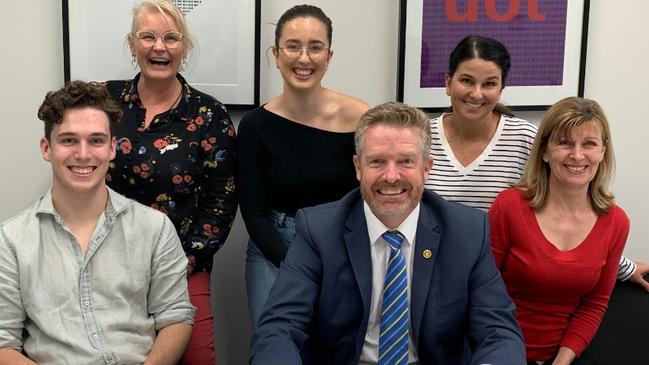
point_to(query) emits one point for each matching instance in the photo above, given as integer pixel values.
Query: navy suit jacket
(318, 309)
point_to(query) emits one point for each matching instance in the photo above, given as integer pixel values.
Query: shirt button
(94, 335)
(86, 303)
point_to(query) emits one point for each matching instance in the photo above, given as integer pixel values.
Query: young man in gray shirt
(87, 275)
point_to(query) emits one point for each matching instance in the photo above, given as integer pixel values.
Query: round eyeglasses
(171, 39)
(294, 50)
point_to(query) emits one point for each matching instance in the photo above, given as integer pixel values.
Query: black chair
(623, 336)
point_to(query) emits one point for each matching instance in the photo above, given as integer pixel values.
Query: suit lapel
(358, 249)
(425, 255)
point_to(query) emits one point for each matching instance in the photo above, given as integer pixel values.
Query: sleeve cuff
(626, 269)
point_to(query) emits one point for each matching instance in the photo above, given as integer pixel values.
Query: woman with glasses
(296, 150)
(175, 153)
(557, 236)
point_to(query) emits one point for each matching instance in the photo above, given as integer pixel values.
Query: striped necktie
(393, 340)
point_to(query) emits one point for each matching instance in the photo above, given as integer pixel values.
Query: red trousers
(201, 347)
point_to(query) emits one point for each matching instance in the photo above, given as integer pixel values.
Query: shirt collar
(45, 204)
(129, 94)
(375, 228)
(116, 204)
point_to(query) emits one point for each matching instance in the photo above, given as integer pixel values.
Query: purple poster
(533, 31)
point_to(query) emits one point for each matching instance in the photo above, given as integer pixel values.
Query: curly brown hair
(78, 94)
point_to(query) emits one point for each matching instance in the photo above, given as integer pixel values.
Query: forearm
(265, 235)
(210, 228)
(217, 202)
(12, 312)
(565, 356)
(254, 189)
(637, 275)
(13, 357)
(170, 344)
(588, 314)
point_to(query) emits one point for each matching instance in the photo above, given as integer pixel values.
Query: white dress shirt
(380, 257)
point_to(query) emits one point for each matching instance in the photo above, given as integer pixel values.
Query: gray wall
(364, 65)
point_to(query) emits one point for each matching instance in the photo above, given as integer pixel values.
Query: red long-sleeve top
(560, 296)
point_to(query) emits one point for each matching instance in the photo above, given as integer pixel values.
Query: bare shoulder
(348, 109)
(352, 106)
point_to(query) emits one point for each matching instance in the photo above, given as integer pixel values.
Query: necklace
(177, 98)
(157, 106)
(146, 122)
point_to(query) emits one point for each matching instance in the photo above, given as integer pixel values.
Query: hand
(565, 356)
(641, 270)
(191, 264)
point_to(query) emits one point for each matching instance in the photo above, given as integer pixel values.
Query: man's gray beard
(390, 211)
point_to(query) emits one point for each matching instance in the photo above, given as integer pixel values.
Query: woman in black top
(175, 153)
(296, 151)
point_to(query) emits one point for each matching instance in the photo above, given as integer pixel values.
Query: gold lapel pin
(427, 254)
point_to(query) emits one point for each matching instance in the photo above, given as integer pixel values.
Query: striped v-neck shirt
(500, 165)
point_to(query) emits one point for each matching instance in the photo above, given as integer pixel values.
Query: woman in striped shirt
(479, 148)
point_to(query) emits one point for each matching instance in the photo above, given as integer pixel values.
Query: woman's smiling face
(156, 61)
(305, 68)
(474, 88)
(574, 158)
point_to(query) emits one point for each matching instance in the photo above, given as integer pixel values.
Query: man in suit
(350, 293)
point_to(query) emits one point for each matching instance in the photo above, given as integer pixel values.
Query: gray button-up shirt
(63, 307)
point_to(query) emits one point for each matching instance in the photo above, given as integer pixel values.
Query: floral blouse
(182, 165)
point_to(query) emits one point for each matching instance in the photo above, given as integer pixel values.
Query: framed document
(546, 41)
(224, 63)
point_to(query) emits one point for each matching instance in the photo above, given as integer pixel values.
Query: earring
(183, 65)
(134, 62)
(277, 64)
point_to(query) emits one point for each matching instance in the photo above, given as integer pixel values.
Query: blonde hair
(165, 7)
(558, 122)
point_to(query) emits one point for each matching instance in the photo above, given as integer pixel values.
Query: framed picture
(224, 63)
(546, 41)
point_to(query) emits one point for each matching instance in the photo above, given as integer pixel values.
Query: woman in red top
(558, 236)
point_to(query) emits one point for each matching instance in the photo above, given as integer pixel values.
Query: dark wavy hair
(78, 94)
